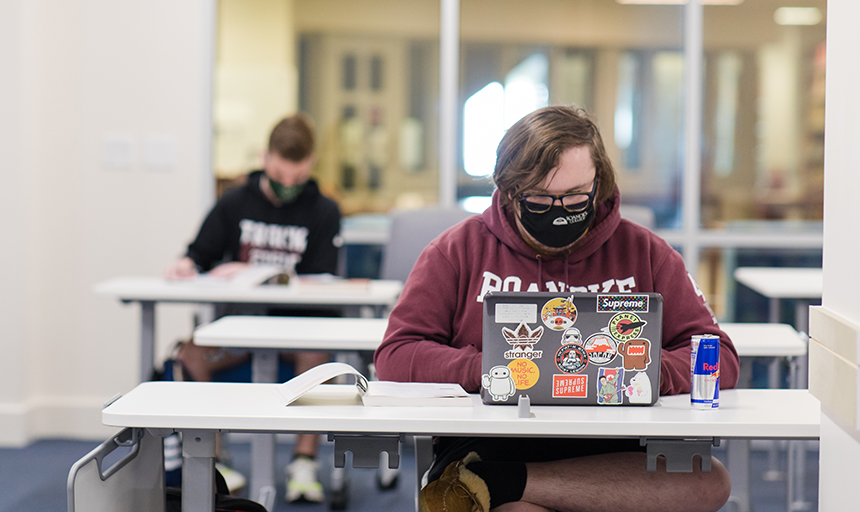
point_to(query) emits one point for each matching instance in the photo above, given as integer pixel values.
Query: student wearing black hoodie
(279, 217)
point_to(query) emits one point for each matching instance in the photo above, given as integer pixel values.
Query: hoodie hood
(311, 189)
(502, 224)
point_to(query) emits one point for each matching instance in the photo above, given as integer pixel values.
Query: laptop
(571, 348)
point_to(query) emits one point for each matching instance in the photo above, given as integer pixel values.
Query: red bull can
(705, 372)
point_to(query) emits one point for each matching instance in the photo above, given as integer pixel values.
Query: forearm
(429, 361)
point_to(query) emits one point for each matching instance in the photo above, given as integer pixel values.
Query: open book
(410, 394)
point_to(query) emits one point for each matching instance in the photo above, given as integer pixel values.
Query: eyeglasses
(572, 203)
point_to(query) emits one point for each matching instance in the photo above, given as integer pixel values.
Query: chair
(411, 232)
(134, 482)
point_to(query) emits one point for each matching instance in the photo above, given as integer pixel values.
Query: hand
(183, 268)
(228, 270)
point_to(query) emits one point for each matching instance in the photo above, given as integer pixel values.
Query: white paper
(415, 394)
(301, 384)
(415, 390)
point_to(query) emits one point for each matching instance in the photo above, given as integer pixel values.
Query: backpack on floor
(223, 501)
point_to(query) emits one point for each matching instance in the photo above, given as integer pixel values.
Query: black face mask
(557, 227)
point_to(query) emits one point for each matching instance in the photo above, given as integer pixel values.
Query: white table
(200, 409)
(292, 333)
(377, 294)
(777, 283)
(264, 336)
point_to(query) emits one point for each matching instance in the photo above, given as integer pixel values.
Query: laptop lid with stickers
(571, 349)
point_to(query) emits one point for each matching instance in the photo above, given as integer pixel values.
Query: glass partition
(368, 74)
(623, 63)
(763, 127)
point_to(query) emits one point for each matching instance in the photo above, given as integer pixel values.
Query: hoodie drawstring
(567, 269)
(540, 271)
(540, 282)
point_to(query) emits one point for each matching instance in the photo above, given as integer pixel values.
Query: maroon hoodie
(434, 331)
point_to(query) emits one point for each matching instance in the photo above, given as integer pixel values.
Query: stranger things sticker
(601, 348)
(558, 314)
(610, 386)
(570, 386)
(626, 326)
(636, 353)
(522, 340)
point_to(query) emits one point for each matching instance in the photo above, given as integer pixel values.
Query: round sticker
(524, 372)
(625, 326)
(558, 314)
(601, 348)
(571, 358)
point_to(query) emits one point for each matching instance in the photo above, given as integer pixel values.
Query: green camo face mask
(286, 194)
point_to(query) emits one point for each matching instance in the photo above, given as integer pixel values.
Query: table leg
(773, 311)
(773, 474)
(264, 368)
(797, 467)
(147, 339)
(738, 451)
(198, 470)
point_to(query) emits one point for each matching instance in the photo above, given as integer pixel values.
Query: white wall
(840, 447)
(75, 75)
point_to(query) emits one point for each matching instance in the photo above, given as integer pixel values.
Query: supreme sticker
(618, 303)
(570, 386)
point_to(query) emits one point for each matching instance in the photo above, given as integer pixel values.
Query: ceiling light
(797, 16)
(679, 2)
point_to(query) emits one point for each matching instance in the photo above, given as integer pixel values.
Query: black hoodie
(245, 226)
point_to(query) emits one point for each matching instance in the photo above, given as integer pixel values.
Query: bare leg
(520, 506)
(202, 362)
(619, 481)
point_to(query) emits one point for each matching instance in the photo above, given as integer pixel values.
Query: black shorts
(450, 449)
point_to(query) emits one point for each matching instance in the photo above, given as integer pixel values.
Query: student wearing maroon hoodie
(554, 225)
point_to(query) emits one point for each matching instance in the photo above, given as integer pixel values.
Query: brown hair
(293, 138)
(532, 147)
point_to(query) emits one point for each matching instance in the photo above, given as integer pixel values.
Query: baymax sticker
(571, 358)
(636, 353)
(558, 314)
(498, 383)
(601, 348)
(639, 389)
(610, 387)
(570, 386)
(523, 340)
(626, 326)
